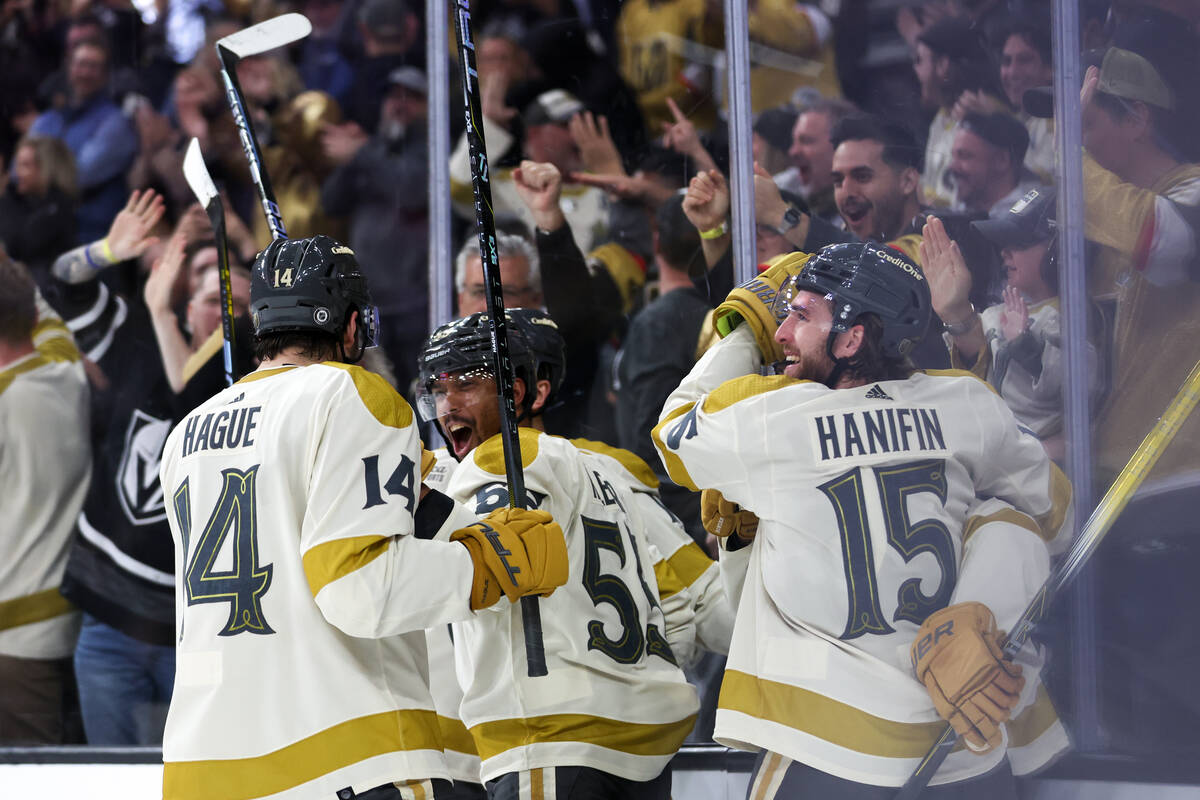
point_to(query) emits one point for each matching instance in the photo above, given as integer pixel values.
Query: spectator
(1026, 63)
(811, 153)
(519, 275)
(203, 315)
(987, 164)
(659, 349)
(43, 410)
(102, 139)
(322, 65)
(1016, 345)
(1141, 210)
(37, 208)
(373, 185)
(953, 69)
(772, 138)
(391, 38)
(548, 138)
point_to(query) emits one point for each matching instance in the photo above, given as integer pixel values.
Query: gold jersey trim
(261, 374)
(630, 461)
(384, 403)
(36, 607)
(1009, 515)
(634, 738)
(324, 752)
(958, 373)
(689, 563)
(669, 583)
(825, 718)
(489, 456)
(738, 389)
(1028, 726)
(455, 735)
(10, 374)
(1060, 503)
(326, 562)
(671, 461)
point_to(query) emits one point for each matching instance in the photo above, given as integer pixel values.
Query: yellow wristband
(715, 233)
(107, 251)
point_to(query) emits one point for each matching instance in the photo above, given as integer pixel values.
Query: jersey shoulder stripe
(671, 459)
(383, 401)
(489, 456)
(743, 388)
(958, 373)
(632, 464)
(689, 563)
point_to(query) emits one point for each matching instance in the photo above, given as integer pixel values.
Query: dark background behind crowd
(870, 115)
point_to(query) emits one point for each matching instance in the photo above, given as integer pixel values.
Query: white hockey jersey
(871, 519)
(614, 699)
(683, 572)
(305, 577)
(45, 464)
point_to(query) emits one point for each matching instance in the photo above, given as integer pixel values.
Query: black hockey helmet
(535, 347)
(309, 285)
(867, 277)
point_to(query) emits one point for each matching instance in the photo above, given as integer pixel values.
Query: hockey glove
(957, 656)
(752, 303)
(517, 552)
(721, 517)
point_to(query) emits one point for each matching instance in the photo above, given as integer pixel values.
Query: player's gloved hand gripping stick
(535, 653)
(1089, 538)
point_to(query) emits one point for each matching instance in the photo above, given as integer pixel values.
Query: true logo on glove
(930, 639)
(501, 550)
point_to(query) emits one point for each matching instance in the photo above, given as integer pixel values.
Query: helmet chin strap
(839, 364)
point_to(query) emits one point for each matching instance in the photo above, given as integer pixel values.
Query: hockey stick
(252, 41)
(201, 182)
(531, 618)
(1090, 536)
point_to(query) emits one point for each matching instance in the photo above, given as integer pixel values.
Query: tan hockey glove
(957, 656)
(428, 462)
(517, 552)
(752, 301)
(721, 517)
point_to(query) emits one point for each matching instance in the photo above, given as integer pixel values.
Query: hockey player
(615, 706)
(306, 565)
(876, 567)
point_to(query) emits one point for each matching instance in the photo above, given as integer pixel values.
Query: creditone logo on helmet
(342, 250)
(899, 262)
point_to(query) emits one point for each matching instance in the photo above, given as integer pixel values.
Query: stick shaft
(258, 171)
(535, 653)
(216, 215)
(1105, 514)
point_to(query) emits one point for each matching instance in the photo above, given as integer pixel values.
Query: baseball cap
(555, 106)
(408, 77)
(1000, 130)
(1124, 73)
(1029, 221)
(775, 125)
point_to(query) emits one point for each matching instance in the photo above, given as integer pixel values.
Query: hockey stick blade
(1132, 475)
(201, 183)
(196, 174)
(267, 35)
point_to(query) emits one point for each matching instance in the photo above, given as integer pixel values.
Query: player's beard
(815, 365)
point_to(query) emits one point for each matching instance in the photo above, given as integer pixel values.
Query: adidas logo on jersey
(877, 393)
